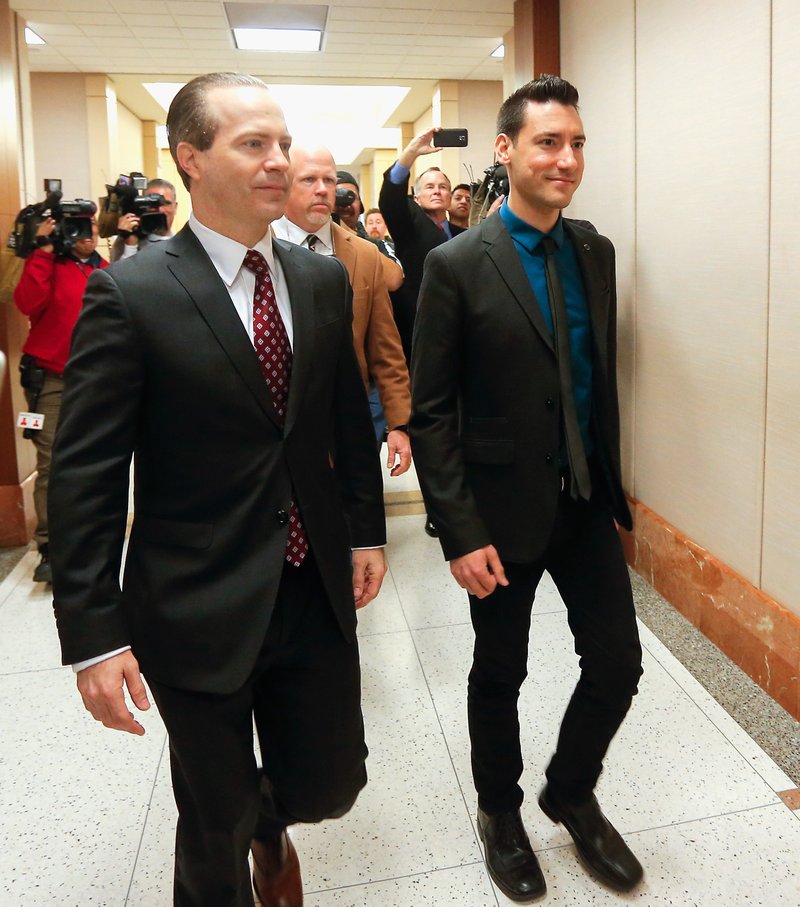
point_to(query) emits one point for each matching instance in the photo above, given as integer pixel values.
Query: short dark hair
(428, 170)
(189, 118)
(157, 183)
(465, 186)
(511, 116)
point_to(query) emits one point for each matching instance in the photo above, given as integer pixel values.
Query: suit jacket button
(282, 517)
(548, 458)
(549, 402)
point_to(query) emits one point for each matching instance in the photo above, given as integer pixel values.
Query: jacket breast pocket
(172, 532)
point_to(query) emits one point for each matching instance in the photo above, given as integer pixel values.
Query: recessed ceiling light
(279, 40)
(499, 52)
(277, 27)
(32, 38)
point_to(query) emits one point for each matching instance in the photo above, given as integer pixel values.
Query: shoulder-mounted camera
(127, 196)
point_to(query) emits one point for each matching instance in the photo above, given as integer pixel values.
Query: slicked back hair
(189, 118)
(511, 117)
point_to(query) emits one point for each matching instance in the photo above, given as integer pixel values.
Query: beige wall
(478, 103)
(60, 127)
(469, 105)
(781, 557)
(691, 170)
(130, 153)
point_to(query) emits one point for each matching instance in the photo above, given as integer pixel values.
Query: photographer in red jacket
(50, 293)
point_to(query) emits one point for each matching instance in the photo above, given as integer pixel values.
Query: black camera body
(73, 222)
(125, 197)
(484, 194)
(344, 197)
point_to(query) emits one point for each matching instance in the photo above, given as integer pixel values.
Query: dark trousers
(304, 695)
(585, 559)
(48, 403)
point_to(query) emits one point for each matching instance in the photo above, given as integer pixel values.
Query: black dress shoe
(511, 862)
(43, 572)
(599, 845)
(430, 529)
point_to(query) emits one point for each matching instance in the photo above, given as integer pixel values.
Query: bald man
(308, 222)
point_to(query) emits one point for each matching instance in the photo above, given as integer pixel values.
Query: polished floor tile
(88, 816)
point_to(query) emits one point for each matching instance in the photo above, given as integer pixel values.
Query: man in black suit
(255, 474)
(515, 428)
(417, 225)
(420, 224)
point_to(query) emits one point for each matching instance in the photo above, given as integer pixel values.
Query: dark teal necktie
(580, 480)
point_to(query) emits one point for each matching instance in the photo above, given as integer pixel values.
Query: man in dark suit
(239, 597)
(515, 429)
(420, 224)
(417, 225)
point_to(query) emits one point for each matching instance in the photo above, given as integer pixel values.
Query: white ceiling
(368, 42)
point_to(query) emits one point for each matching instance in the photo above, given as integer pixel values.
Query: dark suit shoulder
(585, 232)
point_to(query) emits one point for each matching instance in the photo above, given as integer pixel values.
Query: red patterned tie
(275, 355)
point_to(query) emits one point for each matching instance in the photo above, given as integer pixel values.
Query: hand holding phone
(451, 138)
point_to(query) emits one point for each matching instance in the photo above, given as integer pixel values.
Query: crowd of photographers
(58, 241)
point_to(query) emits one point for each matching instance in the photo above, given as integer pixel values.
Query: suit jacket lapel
(343, 247)
(598, 292)
(301, 297)
(193, 269)
(500, 248)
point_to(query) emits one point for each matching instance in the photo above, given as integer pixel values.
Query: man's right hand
(102, 688)
(128, 223)
(421, 144)
(479, 572)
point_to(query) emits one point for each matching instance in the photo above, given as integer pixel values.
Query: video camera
(485, 193)
(125, 197)
(344, 197)
(73, 222)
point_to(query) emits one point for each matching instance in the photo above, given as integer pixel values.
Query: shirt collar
(288, 230)
(526, 235)
(226, 254)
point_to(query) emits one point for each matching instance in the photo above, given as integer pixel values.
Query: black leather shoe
(43, 572)
(430, 529)
(511, 862)
(600, 846)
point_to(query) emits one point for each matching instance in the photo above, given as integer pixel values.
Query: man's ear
(187, 156)
(501, 145)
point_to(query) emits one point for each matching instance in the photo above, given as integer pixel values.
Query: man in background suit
(239, 598)
(515, 428)
(308, 223)
(417, 226)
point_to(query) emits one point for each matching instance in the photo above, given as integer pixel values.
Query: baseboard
(17, 514)
(756, 632)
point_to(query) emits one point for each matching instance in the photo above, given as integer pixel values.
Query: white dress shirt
(288, 230)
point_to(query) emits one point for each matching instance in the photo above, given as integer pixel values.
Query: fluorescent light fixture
(499, 52)
(32, 38)
(277, 27)
(279, 40)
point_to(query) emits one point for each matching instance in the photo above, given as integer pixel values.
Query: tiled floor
(86, 814)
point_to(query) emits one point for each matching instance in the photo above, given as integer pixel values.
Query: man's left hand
(369, 568)
(399, 445)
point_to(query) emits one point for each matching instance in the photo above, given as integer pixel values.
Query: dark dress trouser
(584, 557)
(305, 696)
